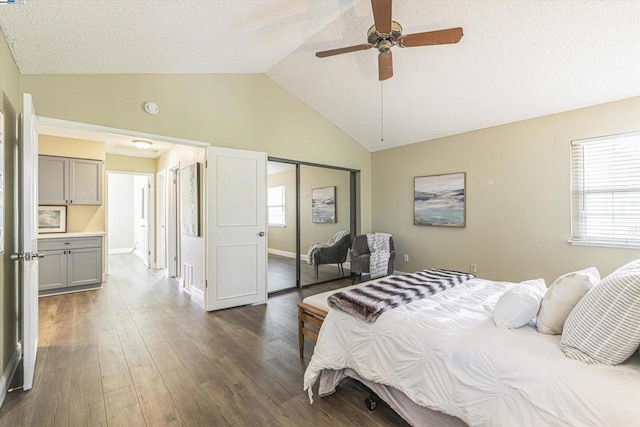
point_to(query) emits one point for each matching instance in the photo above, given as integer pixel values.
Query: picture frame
(52, 219)
(440, 200)
(190, 200)
(323, 205)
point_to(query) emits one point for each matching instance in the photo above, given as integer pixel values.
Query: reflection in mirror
(324, 223)
(281, 217)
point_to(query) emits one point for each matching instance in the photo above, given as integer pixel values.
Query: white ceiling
(518, 59)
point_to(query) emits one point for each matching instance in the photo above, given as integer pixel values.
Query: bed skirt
(410, 411)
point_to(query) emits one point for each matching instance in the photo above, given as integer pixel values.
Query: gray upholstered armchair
(334, 254)
(360, 255)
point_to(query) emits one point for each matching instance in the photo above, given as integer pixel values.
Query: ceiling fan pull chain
(381, 112)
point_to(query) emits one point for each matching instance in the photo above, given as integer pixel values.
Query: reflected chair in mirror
(360, 256)
(335, 253)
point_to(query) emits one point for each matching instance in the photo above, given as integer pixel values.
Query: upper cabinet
(69, 181)
(53, 180)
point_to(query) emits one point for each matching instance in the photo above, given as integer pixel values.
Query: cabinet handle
(67, 243)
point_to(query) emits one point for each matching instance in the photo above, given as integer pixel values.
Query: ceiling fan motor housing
(384, 42)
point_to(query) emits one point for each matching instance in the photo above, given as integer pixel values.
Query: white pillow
(519, 305)
(562, 296)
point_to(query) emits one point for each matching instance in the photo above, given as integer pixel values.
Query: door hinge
(206, 163)
(206, 284)
(149, 253)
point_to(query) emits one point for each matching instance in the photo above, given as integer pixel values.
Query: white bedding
(445, 353)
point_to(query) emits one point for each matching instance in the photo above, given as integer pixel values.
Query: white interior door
(173, 225)
(150, 216)
(161, 226)
(235, 228)
(29, 240)
(145, 223)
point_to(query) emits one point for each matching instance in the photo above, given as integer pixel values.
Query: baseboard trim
(120, 251)
(286, 254)
(104, 277)
(197, 293)
(8, 373)
(303, 257)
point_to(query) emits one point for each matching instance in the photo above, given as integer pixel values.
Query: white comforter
(445, 353)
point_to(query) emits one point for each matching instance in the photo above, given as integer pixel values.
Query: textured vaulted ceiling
(517, 59)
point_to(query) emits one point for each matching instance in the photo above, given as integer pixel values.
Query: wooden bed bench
(311, 313)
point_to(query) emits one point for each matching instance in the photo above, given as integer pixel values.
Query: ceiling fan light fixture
(385, 33)
(142, 144)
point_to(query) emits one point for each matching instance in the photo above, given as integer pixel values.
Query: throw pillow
(562, 296)
(519, 305)
(604, 327)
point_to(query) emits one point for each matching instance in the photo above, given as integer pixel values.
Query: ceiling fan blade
(448, 36)
(382, 15)
(385, 66)
(342, 50)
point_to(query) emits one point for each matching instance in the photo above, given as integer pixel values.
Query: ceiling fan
(387, 33)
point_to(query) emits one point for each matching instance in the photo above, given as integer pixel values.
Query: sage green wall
(11, 105)
(518, 196)
(284, 239)
(246, 111)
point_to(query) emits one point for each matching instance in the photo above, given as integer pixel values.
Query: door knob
(261, 234)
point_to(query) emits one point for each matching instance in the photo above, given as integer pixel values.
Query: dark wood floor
(142, 352)
(282, 273)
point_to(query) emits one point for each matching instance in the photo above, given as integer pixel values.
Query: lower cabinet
(70, 264)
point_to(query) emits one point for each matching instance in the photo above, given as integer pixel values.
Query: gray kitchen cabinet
(69, 264)
(69, 181)
(53, 180)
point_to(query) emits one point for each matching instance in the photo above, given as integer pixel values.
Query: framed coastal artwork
(323, 205)
(190, 199)
(52, 219)
(439, 200)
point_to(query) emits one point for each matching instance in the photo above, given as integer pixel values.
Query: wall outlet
(406, 257)
(474, 268)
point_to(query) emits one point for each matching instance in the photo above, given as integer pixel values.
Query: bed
(444, 353)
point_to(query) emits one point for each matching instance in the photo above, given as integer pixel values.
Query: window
(276, 206)
(606, 191)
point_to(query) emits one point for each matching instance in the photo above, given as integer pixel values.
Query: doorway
(130, 212)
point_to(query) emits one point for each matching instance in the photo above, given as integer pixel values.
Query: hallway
(140, 351)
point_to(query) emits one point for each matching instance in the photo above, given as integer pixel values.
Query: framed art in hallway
(52, 219)
(323, 205)
(439, 200)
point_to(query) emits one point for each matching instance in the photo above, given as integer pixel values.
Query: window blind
(606, 190)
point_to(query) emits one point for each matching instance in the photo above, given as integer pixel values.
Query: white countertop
(69, 235)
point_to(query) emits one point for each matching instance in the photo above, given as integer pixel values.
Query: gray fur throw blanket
(368, 302)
